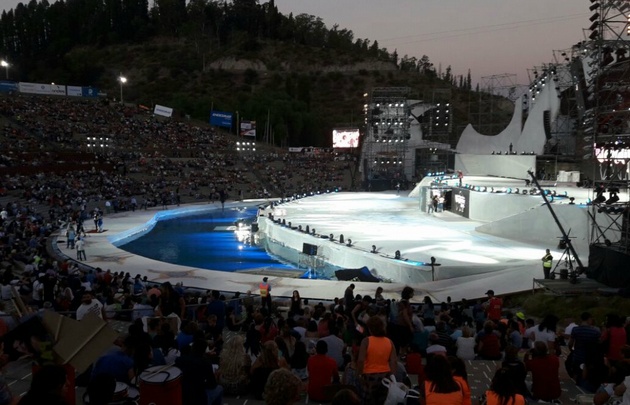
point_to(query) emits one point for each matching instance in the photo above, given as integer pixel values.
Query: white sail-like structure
(530, 137)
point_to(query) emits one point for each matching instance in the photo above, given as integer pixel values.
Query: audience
(157, 163)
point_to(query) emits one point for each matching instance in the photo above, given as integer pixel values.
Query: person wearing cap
(265, 293)
(547, 262)
(494, 306)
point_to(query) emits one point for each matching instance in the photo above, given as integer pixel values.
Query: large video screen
(345, 138)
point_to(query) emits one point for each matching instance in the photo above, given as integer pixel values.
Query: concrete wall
(515, 166)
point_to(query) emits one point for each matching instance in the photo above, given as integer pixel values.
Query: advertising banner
(460, 203)
(58, 90)
(221, 119)
(248, 128)
(90, 92)
(74, 91)
(41, 88)
(7, 86)
(163, 111)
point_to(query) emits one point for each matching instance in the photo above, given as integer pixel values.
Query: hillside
(231, 56)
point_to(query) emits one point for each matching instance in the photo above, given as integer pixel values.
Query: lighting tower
(602, 79)
(384, 150)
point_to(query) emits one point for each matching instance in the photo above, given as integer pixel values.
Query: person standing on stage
(265, 293)
(547, 261)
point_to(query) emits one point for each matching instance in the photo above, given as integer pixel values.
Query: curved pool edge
(102, 252)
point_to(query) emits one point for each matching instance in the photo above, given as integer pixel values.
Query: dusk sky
(490, 37)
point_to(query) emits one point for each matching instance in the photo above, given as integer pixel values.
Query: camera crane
(569, 250)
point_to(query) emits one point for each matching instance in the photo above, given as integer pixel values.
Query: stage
(474, 256)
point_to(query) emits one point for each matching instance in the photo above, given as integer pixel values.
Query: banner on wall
(41, 88)
(460, 203)
(248, 128)
(75, 91)
(162, 111)
(221, 119)
(8, 86)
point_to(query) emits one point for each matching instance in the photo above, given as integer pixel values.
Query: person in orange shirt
(377, 360)
(460, 375)
(440, 387)
(502, 390)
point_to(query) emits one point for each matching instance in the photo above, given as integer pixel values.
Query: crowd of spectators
(122, 150)
(351, 344)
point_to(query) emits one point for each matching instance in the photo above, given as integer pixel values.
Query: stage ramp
(536, 226)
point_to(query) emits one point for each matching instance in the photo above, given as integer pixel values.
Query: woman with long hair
(282, 388)
(253, 343)
(502, 390)
(265, 364)
(299, 360)
(296, 303)
(546, 332)
(234, 366)
(440, 387)
(460, 375)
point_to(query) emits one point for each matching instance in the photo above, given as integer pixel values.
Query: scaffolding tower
(503, 85)
(386, 137)
(602, 79)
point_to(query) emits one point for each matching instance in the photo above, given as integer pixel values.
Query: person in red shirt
(545, 370)
(613, 337)
(494, 306)
(322, 371)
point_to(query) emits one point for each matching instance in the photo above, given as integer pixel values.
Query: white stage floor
(471, 262)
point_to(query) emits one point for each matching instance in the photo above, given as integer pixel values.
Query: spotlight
(313, 231)
(331, 237)
(300, 228)
(373, 249)
(397, 255)
(349, 242)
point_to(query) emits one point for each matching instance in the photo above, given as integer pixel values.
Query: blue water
(207, 241)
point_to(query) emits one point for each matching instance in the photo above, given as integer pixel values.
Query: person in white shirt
(90, 305)
(466, 344)
(336, 346)
(38, 290)
(80, 246)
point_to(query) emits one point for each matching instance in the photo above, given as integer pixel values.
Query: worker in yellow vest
(547, 261)
(265, 293)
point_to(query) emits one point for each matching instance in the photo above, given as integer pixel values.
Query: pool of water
(215, 240)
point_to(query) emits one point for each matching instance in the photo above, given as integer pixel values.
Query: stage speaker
(309, 249)
(254, 227)
(547, 123)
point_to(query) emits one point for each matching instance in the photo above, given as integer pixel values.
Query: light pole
(122, 79)
(5, 65)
